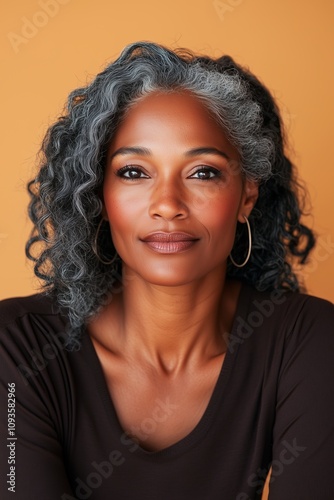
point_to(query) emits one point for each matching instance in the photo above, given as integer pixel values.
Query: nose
(168, 201)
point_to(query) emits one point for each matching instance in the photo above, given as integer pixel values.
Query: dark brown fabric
(273, 402)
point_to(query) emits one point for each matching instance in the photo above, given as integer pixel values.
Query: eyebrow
(191, 153)
(205, 151)
(133, 150)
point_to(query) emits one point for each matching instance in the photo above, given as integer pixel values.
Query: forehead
(170, 119)
(169, 103)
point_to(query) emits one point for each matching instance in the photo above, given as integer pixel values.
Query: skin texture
(162, 338)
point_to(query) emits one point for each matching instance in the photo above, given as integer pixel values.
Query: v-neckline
(203, 424)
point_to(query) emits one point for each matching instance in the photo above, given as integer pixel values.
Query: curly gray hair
(66, 202)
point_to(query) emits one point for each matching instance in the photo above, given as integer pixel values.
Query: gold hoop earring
(95, 250)
(249, 246)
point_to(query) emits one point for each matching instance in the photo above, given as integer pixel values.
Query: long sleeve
(31, 458)
(272, 403)
(303, 434)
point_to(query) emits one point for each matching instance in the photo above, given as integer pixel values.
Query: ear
(248, 200)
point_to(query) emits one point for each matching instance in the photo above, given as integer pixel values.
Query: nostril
(168, 208)
(168, 211)
(168, 217)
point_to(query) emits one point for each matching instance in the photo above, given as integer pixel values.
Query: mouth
(170, 242)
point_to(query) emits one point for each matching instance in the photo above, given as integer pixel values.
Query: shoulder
(276, 318)
(306, 314)
(17, 307)
(28, 324)
(31, 315)
(289, 307)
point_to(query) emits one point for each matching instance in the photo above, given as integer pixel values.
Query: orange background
(50, 47)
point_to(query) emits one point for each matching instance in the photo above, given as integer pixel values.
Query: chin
(168, 279)
(169, 282)
(166, 275)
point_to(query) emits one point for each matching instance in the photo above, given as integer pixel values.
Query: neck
(173, 327)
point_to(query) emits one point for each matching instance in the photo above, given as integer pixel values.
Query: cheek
(122, 209)
(217, 208)
(220, 222)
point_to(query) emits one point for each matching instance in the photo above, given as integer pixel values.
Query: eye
(206, 173)
(131, 172)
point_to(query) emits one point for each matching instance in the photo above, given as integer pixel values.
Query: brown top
(272, 404)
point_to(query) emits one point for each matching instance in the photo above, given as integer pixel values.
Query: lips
(170, 242)
(168, 237)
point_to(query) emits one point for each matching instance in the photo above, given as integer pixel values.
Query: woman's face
(171, 169)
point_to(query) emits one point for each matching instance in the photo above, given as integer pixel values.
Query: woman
(172, 355)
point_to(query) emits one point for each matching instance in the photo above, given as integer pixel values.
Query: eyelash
(128, 168)
(217, 173)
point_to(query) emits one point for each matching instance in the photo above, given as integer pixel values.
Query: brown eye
(206, 173)
(130, 172)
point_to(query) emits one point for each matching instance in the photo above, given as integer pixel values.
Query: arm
(31, 461)
(303, 436)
